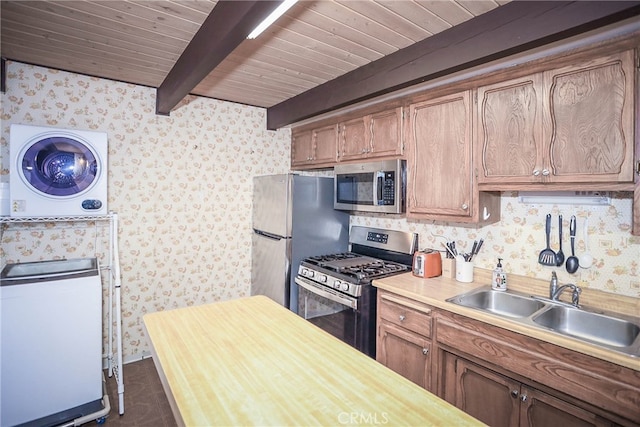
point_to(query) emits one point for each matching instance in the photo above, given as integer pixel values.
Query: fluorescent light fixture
(600, 198)
(277, 13)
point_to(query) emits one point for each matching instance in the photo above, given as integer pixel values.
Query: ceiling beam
(225, 28)
(509, 29)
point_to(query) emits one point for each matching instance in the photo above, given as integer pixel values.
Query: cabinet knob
(536, 172)
(465, 206)
(514, 393)
(425, 351)
(545, 172)
(402, 317)
(523, 398)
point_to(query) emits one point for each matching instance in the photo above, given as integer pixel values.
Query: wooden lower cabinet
(498, 376)
(406, 353)
(507, 379)
(404, 338)
(498, 400)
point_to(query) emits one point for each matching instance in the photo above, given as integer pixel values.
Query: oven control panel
(330, 281)
(377, 237)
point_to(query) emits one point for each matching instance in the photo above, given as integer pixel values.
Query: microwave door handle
(378, 184)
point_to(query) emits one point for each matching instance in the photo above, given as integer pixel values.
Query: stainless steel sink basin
(609, 330)
(589, 326)
(502, 303)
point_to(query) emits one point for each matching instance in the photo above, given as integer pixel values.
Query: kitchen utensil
(548, 256)
(476, 249)
(572, 262)
(560, 254)
(586, 260)
(446, 246)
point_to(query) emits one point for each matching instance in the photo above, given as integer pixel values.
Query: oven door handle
(326, 293)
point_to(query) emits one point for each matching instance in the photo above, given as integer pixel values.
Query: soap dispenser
(499, 280)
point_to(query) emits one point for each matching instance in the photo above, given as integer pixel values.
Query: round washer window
(59, 166)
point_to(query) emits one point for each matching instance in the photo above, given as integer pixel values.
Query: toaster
(427, 263)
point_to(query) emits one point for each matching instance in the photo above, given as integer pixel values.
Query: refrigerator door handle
(268, 235)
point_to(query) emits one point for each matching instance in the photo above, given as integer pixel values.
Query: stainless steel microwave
(371, 187)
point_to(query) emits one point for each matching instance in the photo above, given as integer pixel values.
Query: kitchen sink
(609, 330)
(502, 303)
(590, 326)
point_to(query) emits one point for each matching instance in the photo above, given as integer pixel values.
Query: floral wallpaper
(182, 188)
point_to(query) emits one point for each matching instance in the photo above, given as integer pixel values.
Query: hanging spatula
(547, 256)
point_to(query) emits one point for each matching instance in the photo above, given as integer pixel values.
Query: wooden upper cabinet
(354, 139)
(385, 130)
(325, 144)
(372, 136)
(439, 180)
(591, 118)
(313, 148)
(510, 133)
(567, 125)
(301, 147)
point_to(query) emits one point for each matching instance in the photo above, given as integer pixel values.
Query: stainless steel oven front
(348, 318)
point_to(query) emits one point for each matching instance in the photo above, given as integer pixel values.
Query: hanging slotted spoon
(560, 254)
(547, 256)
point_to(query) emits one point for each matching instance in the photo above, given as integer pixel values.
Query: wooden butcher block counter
(252, 362)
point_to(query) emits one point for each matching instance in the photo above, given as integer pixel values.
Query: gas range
(335, 291)
(348, 272)
(374, 253)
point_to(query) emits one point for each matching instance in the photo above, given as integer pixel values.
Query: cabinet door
(509, 135)
(439, 158)
(539, 409)
(385, 130)
(591, 118)
(486, 395)
(406, 353)
(325, 145)
(301, 148)
(354, 139)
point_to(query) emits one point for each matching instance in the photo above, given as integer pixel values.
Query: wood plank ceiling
(140, 41)
(313, 44)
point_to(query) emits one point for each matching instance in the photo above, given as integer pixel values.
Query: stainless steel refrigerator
(293, 218)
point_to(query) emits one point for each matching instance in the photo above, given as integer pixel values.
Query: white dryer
(57, 172)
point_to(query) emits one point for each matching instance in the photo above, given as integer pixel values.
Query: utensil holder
(448, 267)
(464, 270)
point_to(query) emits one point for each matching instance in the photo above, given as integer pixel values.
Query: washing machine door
(59, 166)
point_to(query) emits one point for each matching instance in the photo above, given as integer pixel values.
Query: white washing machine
(50, 341)
(57, 172)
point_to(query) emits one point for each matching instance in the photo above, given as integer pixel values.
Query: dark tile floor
(145, 403)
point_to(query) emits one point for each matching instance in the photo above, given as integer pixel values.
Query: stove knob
(345, 286)
(337, 284)
(322, 278)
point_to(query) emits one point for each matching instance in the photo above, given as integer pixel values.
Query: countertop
(435, 291)
(252, 362)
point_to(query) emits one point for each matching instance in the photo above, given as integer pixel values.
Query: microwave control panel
(387, 189)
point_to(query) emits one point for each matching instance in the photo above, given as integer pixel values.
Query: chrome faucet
(555, 291)
(553, 285)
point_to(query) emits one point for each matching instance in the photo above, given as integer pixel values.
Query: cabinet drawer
(406, 317)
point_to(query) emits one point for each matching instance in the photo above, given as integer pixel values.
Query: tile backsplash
(182, 188)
